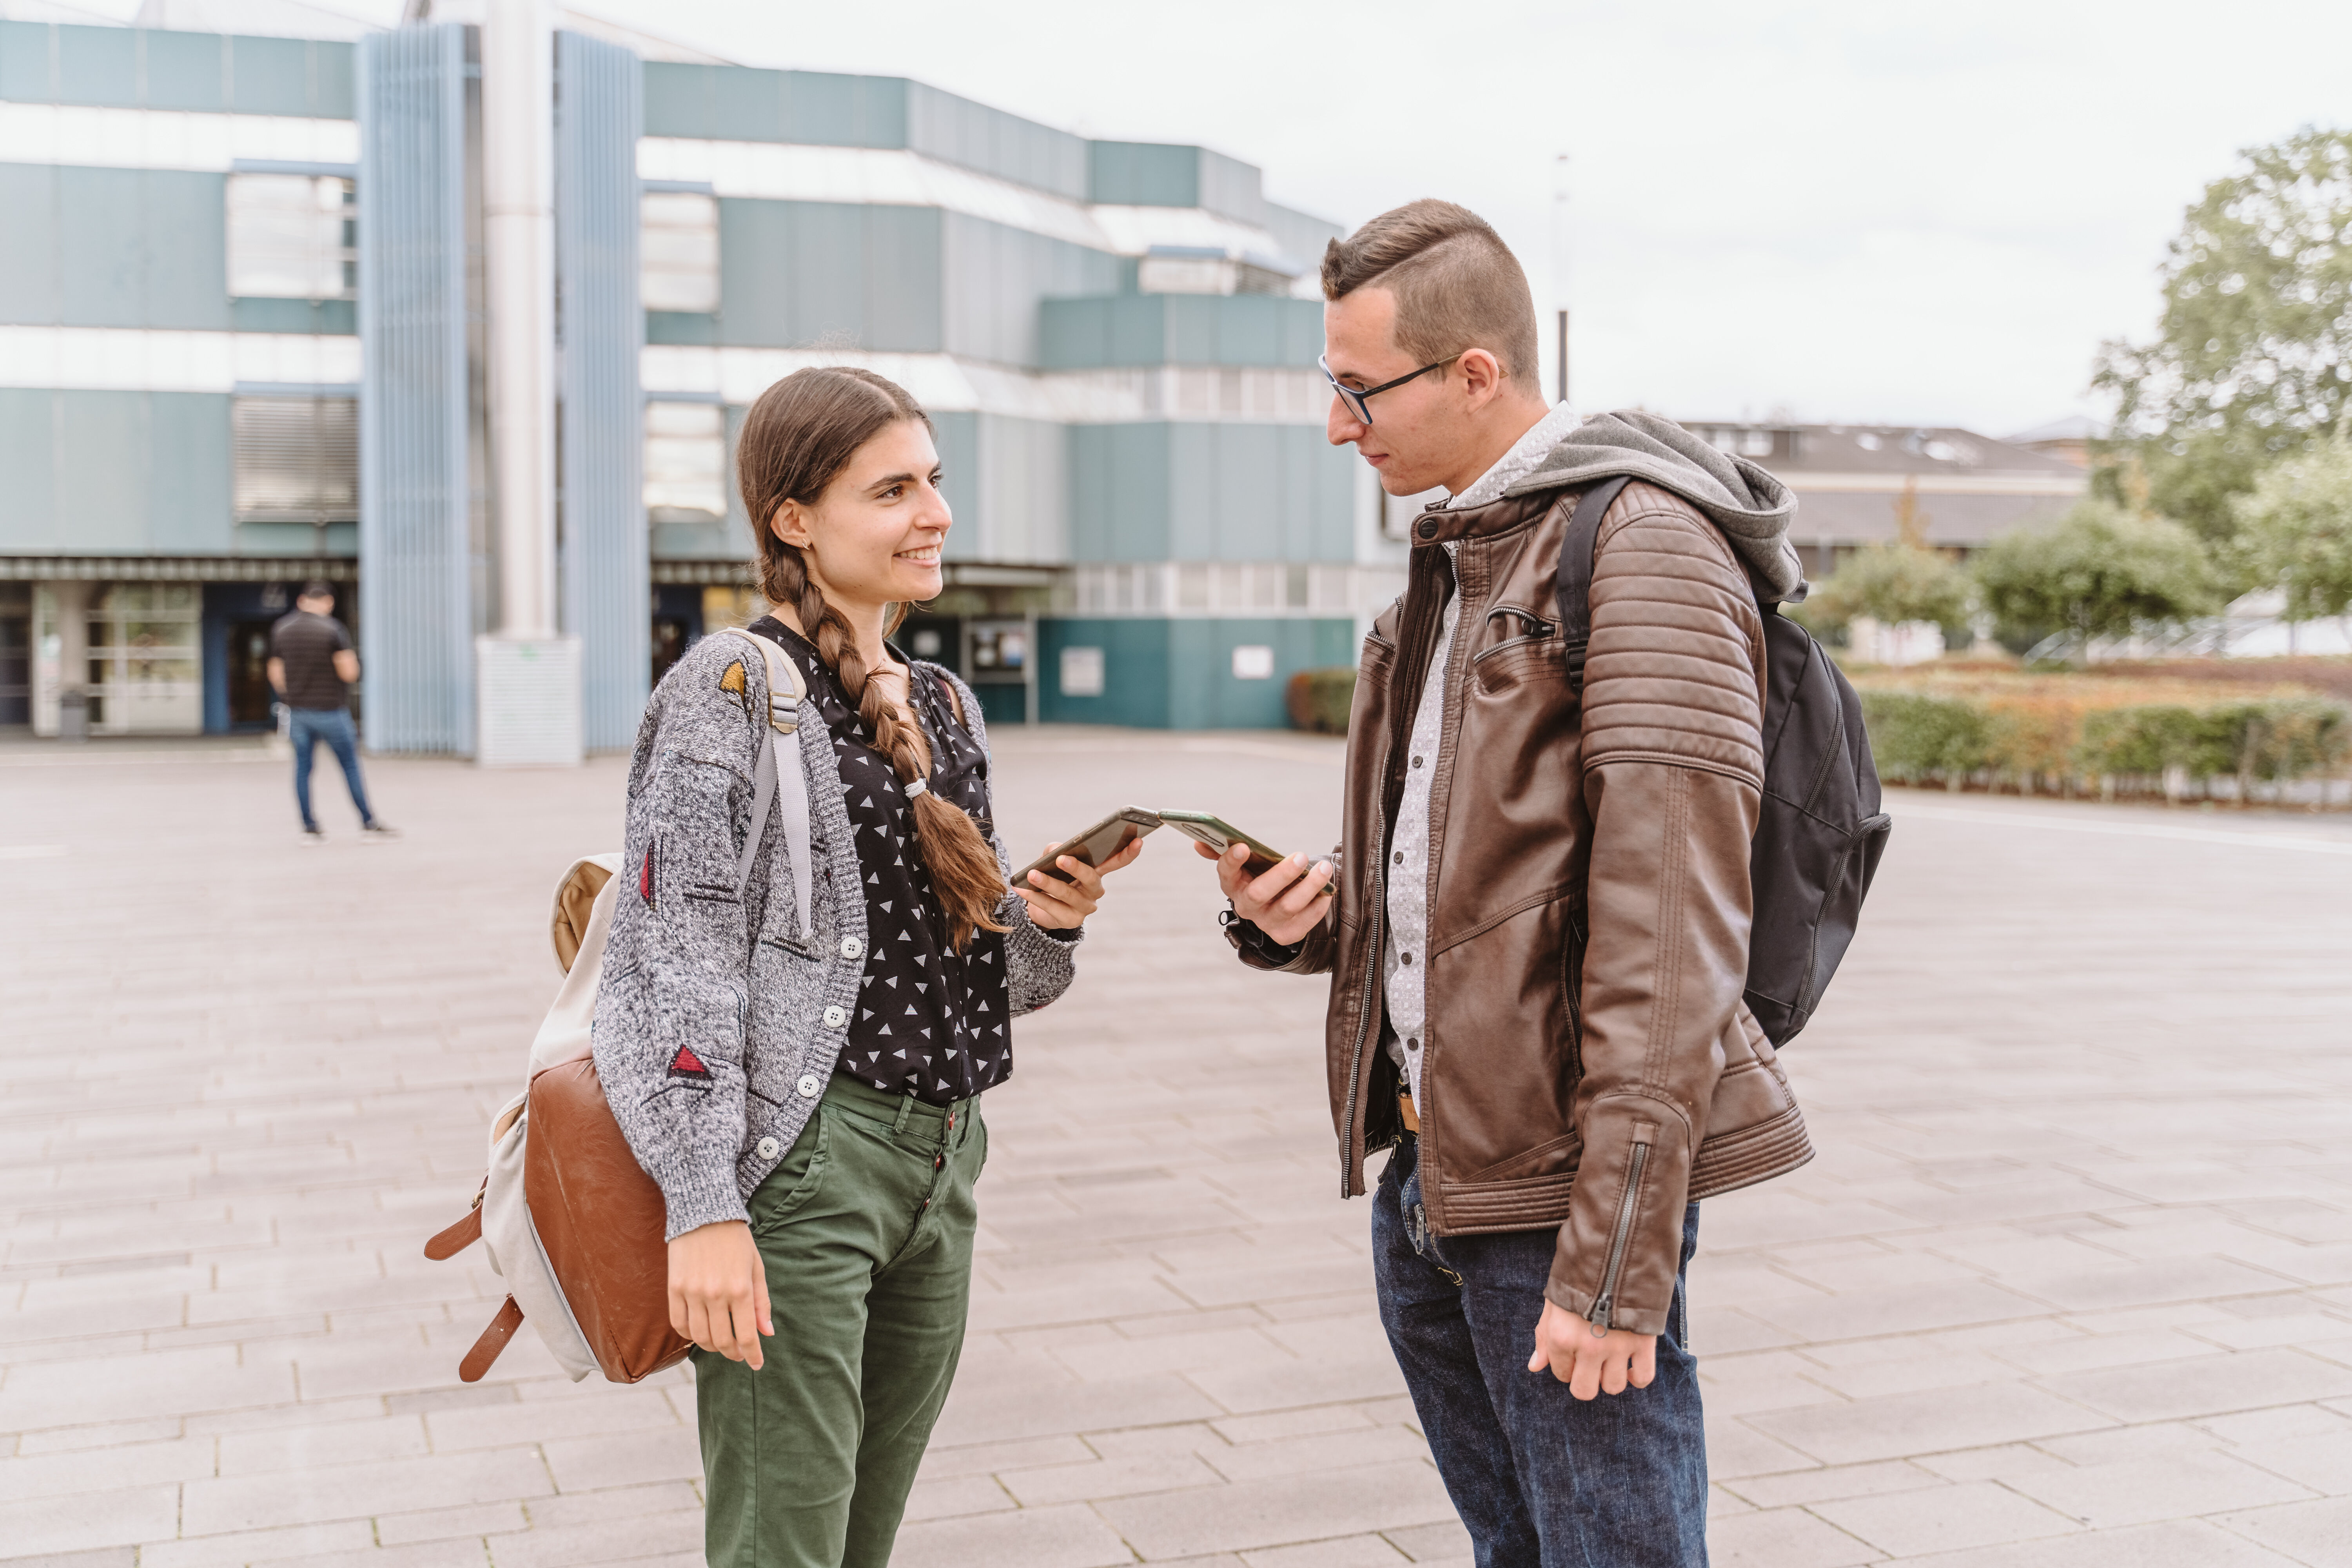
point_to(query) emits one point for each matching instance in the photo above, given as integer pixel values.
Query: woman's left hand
(1057, 905)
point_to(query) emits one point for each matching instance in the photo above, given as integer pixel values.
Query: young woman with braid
(809, 1100)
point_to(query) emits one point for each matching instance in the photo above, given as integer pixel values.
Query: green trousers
(867, 1230)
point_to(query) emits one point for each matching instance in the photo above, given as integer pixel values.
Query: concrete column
(61, 648)
(518, 223)
(527, 675)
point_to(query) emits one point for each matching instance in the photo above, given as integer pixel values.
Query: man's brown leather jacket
(1588, 1061)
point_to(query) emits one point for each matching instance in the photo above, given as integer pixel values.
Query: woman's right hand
(1285, 903)
(719, 1290)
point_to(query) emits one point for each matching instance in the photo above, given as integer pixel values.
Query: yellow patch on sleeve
(733, 679)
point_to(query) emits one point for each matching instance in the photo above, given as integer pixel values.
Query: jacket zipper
(1575, 979)
(1605, 1304)
(1478, 659)
(1364, 1012)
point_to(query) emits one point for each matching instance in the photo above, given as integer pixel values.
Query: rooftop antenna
(1560, 261)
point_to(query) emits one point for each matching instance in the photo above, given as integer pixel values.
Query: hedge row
(1320, 700)
(2065, 736)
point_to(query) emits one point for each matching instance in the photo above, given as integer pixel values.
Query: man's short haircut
(1457, 285)
(317, 588)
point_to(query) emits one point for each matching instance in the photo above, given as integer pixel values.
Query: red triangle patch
(687, 1061)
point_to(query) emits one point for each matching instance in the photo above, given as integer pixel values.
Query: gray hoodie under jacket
(1753, 509)
(760, 1012)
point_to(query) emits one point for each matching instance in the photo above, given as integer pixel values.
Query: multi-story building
(242, 344)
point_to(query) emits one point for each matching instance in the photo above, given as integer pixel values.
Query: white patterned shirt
(1404, 955)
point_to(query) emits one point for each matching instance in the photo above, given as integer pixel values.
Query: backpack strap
(785, 691)
(1574, 576)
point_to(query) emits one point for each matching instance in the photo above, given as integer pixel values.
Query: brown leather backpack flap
(602, 1222)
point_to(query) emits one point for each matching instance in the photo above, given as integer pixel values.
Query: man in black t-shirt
(311, 666)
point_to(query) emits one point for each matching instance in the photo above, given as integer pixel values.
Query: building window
(677, 250)
(685, 462)
(297, 459)
(292, 236)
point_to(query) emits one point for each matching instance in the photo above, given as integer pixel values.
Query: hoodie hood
(1752, 508)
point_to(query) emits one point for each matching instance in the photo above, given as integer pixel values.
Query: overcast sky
(1885, 212)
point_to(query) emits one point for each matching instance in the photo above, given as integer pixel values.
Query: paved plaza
(2069, 1286)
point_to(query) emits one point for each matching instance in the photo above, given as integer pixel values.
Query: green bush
(1891, 583)
(2056, 733)
(1320, 700)
(1915, 737)
(2099, 571)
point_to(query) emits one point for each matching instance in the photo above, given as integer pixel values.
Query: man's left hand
(1588, 1363)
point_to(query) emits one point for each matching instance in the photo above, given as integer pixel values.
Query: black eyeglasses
(1355, 400)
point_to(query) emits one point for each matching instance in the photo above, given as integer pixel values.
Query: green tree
(2254, 353)
(1893, 581)
(2295, 532)
(2101, 572)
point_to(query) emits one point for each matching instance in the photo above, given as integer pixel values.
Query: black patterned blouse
(930, 1022)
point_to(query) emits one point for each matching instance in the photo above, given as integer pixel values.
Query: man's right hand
(719, 1290)
(1285, 903)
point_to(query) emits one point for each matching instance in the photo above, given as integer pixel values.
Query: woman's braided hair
(796, 440)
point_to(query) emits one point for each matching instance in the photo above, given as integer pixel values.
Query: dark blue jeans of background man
(333, 725)
(1541, 1479)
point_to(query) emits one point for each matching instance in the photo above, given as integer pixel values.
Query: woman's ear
(791, 524)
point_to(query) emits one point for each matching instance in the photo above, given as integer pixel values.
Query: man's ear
(1482, 376)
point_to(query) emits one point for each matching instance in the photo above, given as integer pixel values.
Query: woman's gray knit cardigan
(690, 968)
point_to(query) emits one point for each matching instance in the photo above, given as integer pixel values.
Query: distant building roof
(304, 19)
(1855, 482)
(2072, 427)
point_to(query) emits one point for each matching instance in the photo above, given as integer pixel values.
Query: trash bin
(73, 715)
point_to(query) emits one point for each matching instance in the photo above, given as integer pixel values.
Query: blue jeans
(1541, 1479)
(333, 725)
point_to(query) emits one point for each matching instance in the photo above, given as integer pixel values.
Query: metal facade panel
(1143, 173)
(796, 273)
(28, 53)
(29, 456)
(601, 435)
(30, 288)
(997, 280)
(1232, 187)
(184, 71)
(1119, 492)
(143, 472)
(958, 130)
(957, 435)
(125, 68)
(740, 103)
(1024, 514)
(415, 596)
(113, 247)
(96, 65)
(189, 473)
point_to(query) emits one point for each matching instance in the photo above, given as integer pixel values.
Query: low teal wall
(1170, 674)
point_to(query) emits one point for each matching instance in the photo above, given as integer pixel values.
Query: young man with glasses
(1540, 936)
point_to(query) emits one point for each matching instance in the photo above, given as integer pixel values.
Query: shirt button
(835, 1018)
(808, 1086)
(1413, 1043)
(1416, 761)
(1404, 958)
(1399, 856)
(851, 947)
(768, 1147)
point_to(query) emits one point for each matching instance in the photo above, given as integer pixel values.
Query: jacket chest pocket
(1518, 648)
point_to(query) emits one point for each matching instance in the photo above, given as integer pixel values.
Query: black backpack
(1820, 833)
